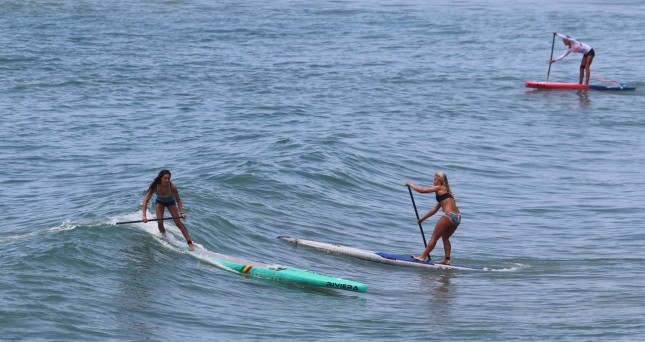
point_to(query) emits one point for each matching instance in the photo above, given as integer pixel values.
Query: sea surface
(306, 118)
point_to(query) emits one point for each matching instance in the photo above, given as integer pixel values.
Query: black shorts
(167, 203)
(591, 53)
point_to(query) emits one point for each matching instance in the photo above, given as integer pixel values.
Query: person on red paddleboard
(575, 46)
(449, 220)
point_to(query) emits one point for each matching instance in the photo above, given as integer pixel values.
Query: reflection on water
(584, 98)
(441, 288)
(562, 96)
(441, 295)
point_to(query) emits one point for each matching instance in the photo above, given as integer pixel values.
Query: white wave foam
(517, 267)
(67, 225)
(170, 239)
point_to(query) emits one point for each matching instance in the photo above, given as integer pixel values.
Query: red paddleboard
(576, 86)
(555, 85)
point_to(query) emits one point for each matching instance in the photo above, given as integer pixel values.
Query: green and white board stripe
(268, 271)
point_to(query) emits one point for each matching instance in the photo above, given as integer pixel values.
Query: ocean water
(306, 118)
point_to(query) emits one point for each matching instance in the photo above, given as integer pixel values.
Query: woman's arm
(430, 213)
(180, 204)
(561, 35)
(144, 209)
(565, 54)
(422, 190)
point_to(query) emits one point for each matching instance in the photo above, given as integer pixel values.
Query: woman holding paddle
(577, 47)
(449, 220)
(167, 196)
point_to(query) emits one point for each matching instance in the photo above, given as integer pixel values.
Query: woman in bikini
(448, 222)
(577, 47)
(166, 196)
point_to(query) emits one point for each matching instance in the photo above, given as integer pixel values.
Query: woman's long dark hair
(156, 181)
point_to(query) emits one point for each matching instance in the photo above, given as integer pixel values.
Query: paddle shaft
(157, 219)
(417, 213)
(552, 46)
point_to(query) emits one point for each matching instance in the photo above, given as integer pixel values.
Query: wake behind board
(266, 271)
(380, 257)
(576, 86)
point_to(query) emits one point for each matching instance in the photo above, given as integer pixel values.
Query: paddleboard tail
(576, 86)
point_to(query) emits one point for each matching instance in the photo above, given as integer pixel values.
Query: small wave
(18, 237)
(169, 240)
(514, 268)
(67, 225)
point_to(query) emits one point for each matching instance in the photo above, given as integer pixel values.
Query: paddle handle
(156, 219)
(417, 213)
(552, 46)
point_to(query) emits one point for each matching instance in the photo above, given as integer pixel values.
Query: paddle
(552, 46)
(416, 212)
(157, 219)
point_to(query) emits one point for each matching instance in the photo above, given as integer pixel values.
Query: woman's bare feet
(190, 246)
(419, 258)
(445, 261)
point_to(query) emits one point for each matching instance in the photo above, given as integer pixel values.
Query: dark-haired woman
(167, 196)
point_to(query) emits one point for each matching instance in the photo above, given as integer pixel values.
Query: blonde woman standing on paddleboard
(575, 46)
(449, 220)
(167, 196)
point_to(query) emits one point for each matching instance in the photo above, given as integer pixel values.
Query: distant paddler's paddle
(157, 219)
(416, 212)
(552, 46)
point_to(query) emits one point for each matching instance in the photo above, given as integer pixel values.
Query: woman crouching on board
(449, 220)
(166, 196)
(575, 46)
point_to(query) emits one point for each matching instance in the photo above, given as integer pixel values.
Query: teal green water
(306, 119)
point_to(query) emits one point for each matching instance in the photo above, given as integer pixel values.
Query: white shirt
(576, 47)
